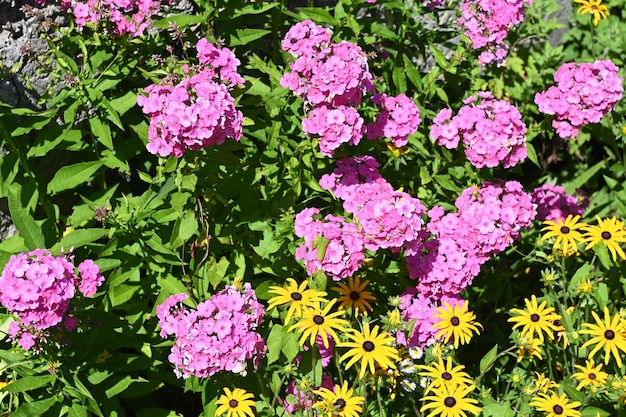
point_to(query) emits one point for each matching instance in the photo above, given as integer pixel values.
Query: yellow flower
(317, 321)
(590, 375)
(4, 384)
(555, 405)
(543, 383)
(369, 347)
(607, 334)
(354, 295)
(536, 319)
(566, 234)
(298, 298)
(456, 323)
(594, 7)
(340, 402)
(608, 231)
(451, 401)
(235, 403)
(530, 348)
(444, 374)
(394, 317)
(397, 152)
(584, 286)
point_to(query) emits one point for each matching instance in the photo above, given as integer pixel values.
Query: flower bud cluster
(584, 93)
(38, 287)
(491, 130)
(197, 112)
(219, 335)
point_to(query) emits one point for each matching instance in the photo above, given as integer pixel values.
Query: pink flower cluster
(492, 131)
(335, 126)
(489, 219)
(38, 287)
(388, 218)
(554, 203)
(123, 16)
(487, 24)
(583, 94)
(197, 112)
(399, 117)
(418, 309)
(332, 245)
(330, 77)
(220, 335)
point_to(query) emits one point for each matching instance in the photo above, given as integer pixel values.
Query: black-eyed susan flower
(370, 347)
(456, 323)
(555, 405)
(537, 319)
(608, 334)
(451, 401)
(235, 403)
(339, 403)
(610, 232)
(590, 375)
(298, 298)
(595, 7)
(354, 295)
(441, 373)
(565, 232)
(320, 321)
(543, 383)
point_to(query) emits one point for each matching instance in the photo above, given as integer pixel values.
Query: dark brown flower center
(446, 375)
(557, 409)
(557, 323)
(564, 230)
(354, 295)
(606, 235)
(340, 404)
(296, 296)
(534, 317)
(233, 403)
(319, 320)
(368, 346)
(591, 376)
(449, 402)
(455, 321)
(609, 334)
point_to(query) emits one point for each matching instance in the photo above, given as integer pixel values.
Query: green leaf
(185, 227)
(594, 412)
(101, 131)
(320, 243)
(601, 295)
(36, 408)
(28, 229)
(119, 387)
(172, 285)
(584, 178)
(532, 154)
(123, 293)
(254, 8)
(498, 410)
(412, 73)
(78, 238)
(71, 176)
(245, 36)
(399, 78)
(439, 56)
(573, 393)
(217, 271)
(384, 31)
(318, 15)
(274, 344)
(488, 360)
(124, 103)
(180, 20)
(29, 383)
(77, 410)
